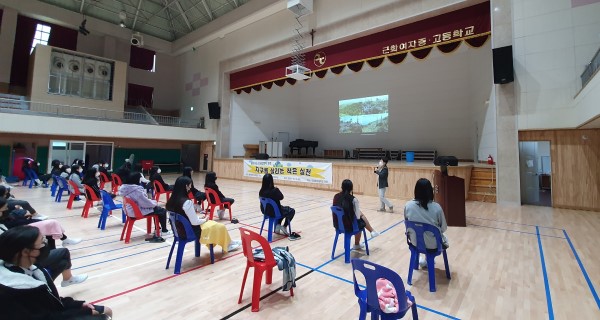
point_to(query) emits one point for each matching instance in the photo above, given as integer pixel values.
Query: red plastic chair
(103, 180)
(191, 196)
(127, 228)
(89, 202)
(259, 266)
(116, 183)
(158, 190)
(75, 193)
(213, 205)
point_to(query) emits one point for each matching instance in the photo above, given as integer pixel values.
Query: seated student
(27, 291)
(214, 232)
(346, 200)
(137, 168)
(155, 176)
(75, 176)
(50, 228)
(28, 167)
(199, 195)
(124, 171)
(423, 209)
(65, 172)
(35, 166)
(90, 179)
(132, 190)
(56, 263)
(210, 181)
(56, 168)
(268, 190)
(19, 207)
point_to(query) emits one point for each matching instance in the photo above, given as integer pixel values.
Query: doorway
(99, 151)
(66, 151)
(536, 173)
(190, 156)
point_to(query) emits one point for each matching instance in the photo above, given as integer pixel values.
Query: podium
(449, 192)
(273, 148)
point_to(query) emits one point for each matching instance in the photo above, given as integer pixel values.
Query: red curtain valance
(446, 32)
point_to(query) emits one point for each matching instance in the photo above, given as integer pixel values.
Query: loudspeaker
(214, 110)
(446, 161)
(262, 156)
(503, 65)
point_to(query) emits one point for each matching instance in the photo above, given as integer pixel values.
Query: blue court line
(517, 231)
(130, 255)
(362, 286)
(585, 275)
(523, 224)
(545, 274)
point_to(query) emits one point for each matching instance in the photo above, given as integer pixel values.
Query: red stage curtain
(291, 81)
(280, 82)
(478, 41)
(268, 85)
(376, 62)
(141, 58)
(395, 59)
(238, 91)
(356, 66)
(321, 73)
(247, 90)
(336, 70)
(62, 37)
(449, 47)
(139, 95)
(257, 87)
(421, 54)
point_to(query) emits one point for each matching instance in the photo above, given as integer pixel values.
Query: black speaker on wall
(214, 110)
(503, 65)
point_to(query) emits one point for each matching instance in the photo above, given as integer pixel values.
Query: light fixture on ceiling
(123, 18)
(82, 28)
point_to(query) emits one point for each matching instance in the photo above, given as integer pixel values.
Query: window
(42, 34)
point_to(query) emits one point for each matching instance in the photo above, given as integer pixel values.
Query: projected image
(364, 115)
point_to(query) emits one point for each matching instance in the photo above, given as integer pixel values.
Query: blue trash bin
(410, 156)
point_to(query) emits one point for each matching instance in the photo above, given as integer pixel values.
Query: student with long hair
(424, 210)
(268, 190)
(346, 200)
(210, 181)
(75, 176)
(155, 176)
(28, 292)
(211, 231)
(136, 193)
(198, 195)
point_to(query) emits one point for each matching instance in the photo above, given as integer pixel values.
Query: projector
(300, 7)
(137, 40)
(297, 72)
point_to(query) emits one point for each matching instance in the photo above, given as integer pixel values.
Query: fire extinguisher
(490, 159)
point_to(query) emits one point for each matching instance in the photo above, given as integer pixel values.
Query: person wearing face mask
(29, 167)
(103, 167)
(75, 176)
(65, 172)
(26, 290)
(56, 168)
(35, 166)
(91, 179)
(155, 176)
(19, 207)
(198, 195)
(210, 181)
(382, 184)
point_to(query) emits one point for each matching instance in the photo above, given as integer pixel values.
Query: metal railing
(590, 69)
(65, 111)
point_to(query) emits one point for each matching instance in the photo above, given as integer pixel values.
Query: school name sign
(311, 172)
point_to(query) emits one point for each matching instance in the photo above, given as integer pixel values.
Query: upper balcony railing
(590, 69)
(9, 105)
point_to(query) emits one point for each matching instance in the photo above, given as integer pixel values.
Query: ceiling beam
(210, 14)
(167, 4)
(184, 16)
(170, 20)
(136, 15)
(235, 3)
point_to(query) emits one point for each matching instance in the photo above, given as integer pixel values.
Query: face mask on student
(158, 171)
(68, 170)
(106, 165)
(38, 164)
(380, 163)
(97, 174)
(80, 170)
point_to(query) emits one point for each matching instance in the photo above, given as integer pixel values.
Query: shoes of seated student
(221, 214)
(166, 233)
(374, 234)
(279, 229)
(391, 209)
(70, 241)
(74, 280)
(382, 209)
(234, 245)
(294, 236)
(359, 247)
(38, 216)
(422, 261)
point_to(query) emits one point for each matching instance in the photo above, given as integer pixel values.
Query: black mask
(44, 252)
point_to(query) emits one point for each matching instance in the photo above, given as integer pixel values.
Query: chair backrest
(130, 204)
(338, 213)
(91, 192)
(181, 226)
(264, 202)
(116, 179)
(107, 200)
(212, 194)
(420, 229)
(74, 186)
(62, 182)
(191, 196)
(372, 271)
(104, 177)
(247, 238)
(158, 187)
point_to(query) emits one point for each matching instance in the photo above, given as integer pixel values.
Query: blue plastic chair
(367, 298)
(415, 251)
(108, 205)
(264, 202)
(189, 236)
(30, 176)
(339, 212)
(54, 186)
(63, 186)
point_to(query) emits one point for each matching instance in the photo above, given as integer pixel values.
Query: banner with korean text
(311, 172)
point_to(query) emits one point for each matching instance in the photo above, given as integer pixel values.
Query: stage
(402, 175)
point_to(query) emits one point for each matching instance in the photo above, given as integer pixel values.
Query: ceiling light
(123, 18)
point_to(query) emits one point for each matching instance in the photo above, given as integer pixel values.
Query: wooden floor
(508, 263)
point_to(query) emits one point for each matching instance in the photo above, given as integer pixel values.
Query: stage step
(483, 185)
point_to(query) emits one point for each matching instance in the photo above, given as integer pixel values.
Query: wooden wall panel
(575, 156)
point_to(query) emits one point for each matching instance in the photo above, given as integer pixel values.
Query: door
(190, 155)
(530, 183)
(66, 151)
(98, 151)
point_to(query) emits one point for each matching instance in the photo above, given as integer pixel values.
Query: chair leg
(197, 248)
(243, 283)
(179, 257)
(271, 227)
(256, 285)
(411, 267)
(128, 232)
(347, 247)
(156, 226)
(446, 264)
(86, 208)
(70, 203)
(334, 244)
(431, 271)
(262, 226)
(363, 310)
(269, 277)
(170, 254)
(212, 253)
(366, 240)
(124, 229)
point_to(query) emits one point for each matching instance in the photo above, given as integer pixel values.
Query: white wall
(552, 44)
